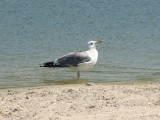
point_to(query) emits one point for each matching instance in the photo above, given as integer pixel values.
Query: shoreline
(89, 101)
(81, 82)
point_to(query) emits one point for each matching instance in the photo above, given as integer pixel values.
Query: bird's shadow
(66, 81)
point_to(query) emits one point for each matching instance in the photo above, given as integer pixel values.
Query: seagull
(80, 60)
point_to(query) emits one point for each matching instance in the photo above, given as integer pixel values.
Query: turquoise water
(32, 32)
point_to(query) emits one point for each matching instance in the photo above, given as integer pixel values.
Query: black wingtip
(47, 64)
(40, 65)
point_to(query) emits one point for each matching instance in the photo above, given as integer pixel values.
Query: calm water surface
(32, 32)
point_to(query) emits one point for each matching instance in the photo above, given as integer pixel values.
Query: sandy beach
(82, 102)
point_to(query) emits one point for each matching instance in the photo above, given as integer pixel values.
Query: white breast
(93, 54)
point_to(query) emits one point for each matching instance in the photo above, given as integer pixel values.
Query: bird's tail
(48, 64)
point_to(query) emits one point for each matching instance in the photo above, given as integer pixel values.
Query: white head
(92, 44)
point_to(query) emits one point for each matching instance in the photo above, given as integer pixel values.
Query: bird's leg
(78, 74)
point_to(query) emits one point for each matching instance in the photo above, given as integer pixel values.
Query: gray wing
(73, 59)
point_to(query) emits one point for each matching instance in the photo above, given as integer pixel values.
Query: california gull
(80, 60)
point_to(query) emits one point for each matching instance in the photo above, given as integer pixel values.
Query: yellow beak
(98, 41)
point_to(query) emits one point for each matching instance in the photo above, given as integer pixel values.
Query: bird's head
(93, 44)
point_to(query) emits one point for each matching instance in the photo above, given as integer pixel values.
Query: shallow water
(33, 32)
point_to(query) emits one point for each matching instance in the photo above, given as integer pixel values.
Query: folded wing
(72, 59)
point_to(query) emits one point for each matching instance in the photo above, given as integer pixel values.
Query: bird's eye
(91, 43)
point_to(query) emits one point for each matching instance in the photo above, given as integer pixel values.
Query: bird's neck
(93, 51)
(92, 47)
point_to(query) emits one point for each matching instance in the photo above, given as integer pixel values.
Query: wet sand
(82, 102)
